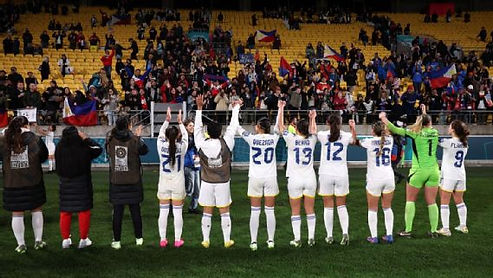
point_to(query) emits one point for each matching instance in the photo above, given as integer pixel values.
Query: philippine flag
(329, 52)
(284, 67)
(81, 115)
(264, 36)
(440, 78)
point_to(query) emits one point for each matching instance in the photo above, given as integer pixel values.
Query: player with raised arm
(262, 178)
(333, 174)
(302, 181)
(424, 170)
(453, 181)
(215, 170)
(379, 180)
(171, 188)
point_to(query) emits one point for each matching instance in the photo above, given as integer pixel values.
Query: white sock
(389, 220)
(50, 165)
(311, 222)
(372, 222)
(162, 221)
(329, 220)
(206, 225)
(254, 223)
(37, 222)
(343, 218)
(445, 215)
(462, 212)
(18, 229)
(178, 221)
(271, 222)
(296, 224)
(226, 226)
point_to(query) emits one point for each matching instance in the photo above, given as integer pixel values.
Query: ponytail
(13, 134)
(171, 134)
(334, 121)
(379, 130)
(461, 130)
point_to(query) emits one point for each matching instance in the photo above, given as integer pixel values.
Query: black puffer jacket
(127, 194)
(73, 165)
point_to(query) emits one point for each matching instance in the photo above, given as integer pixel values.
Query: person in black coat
(23, 153)
(73, 155)
(124, 150)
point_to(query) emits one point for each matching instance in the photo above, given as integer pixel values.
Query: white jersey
(166, 170)
(379, 167)
(333, 157)
(262, 154)
(454, 153)
(300, 154)
(49, 141)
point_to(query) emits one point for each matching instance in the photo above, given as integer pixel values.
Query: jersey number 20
(268, 155)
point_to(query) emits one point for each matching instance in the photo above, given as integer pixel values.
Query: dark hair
(264, 124)
(171, 134)
(461, 130)
(122, 123)
(334, 121)
(53, 128)
(188, 121)
(379, 130)
(302, 127)
(214, 129)
(292, 118)
(13, 134)
(70, 137)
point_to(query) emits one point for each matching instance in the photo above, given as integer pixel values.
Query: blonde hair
(422, 120)
(380, 129)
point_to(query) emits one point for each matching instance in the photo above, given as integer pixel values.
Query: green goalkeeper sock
(433, 214)
(409, 215)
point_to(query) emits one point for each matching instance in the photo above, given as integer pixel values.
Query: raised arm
(390, 126)
(352, 127)
(280, 116)
(313, 123)
(162, 130)
(229, 135)
(184, 133)
(198, 132)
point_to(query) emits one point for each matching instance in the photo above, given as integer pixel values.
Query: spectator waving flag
(284, 67)
(440, 78)
(329, 52)
(84, 114)
(264, 36)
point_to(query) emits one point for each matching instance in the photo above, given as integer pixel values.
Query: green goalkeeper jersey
(424, 144)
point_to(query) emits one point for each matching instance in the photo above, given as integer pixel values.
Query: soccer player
(215, 171)
(302, 181)
(454, 176)
(333, 174)
(172, 152)
(424, 170)
(262, 178)
(379, 180)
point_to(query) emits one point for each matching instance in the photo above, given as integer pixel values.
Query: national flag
(212, 77)
(4, 118)
(284, 67)
(329, 52)
(440, 78)
(84, 114)
(264, 36)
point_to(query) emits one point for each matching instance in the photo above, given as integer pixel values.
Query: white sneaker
(270, 244)
(66, 243)
(444, 232)
(462, 229)
(83, 243)
(116, 245)
(253, 246)
(139, 241)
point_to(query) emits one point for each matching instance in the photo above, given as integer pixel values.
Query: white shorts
(331, 185)
(450, 185)
(381, 186)
(171, 188)
(259, 187)
(302, 186)
(51, 148)
(214, 194)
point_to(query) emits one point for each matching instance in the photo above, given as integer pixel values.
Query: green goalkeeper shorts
(420, 177)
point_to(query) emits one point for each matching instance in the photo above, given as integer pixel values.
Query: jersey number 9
(459, 156)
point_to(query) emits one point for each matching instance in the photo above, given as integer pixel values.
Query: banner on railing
(29, 113)
(246, 58)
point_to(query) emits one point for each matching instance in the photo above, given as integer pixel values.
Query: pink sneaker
(163, 243)
(179, 243)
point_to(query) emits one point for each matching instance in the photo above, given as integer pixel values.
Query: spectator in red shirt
(339, 101)
(107, 60)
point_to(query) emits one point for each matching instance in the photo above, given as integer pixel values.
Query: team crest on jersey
(215, 162)
(121, 159)
(19, 160)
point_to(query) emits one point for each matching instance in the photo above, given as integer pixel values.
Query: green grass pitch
(458, 256)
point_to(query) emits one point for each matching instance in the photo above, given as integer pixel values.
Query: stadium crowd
(178, 69)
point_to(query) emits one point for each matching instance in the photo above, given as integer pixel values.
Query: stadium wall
(480, 152)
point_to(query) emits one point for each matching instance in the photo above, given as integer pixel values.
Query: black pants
(118, 217)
